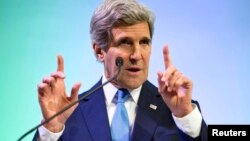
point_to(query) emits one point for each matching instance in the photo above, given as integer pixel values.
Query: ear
(99, 53)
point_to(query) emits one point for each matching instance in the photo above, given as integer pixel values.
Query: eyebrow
(146, 38)
(116, 42)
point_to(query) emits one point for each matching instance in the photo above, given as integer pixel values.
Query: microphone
(118, 62)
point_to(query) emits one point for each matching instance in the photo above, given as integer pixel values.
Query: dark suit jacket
(89, 121)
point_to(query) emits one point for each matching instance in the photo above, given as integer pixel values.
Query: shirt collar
(110, 91)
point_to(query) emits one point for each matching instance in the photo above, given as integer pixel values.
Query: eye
(125, 43)
(145, 42)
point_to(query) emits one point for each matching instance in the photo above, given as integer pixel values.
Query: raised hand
(174, 87)
(52, 97)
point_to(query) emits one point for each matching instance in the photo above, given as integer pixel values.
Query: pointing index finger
(60, 63)
(166, 55)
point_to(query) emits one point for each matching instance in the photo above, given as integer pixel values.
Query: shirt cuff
(46, 135)
(191, 123)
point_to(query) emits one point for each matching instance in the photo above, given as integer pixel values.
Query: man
(123, 28)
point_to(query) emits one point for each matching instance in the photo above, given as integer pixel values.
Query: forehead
(139, 30)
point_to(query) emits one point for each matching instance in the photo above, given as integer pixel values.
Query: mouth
(133, 70)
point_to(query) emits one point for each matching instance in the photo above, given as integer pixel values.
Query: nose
(136, 52)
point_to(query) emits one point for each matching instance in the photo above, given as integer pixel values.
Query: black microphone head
(119, 61)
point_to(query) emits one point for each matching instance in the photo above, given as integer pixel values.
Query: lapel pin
(154, 107)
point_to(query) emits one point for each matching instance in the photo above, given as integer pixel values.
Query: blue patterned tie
(120, 122)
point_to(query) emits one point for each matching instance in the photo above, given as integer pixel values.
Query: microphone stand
(119, 63)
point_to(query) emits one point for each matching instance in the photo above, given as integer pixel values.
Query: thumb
(74, 91)
(160, 82)
(160, 75)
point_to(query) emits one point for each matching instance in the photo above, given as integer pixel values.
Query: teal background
(209, 41)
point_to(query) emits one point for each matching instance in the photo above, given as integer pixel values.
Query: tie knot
(122, 95)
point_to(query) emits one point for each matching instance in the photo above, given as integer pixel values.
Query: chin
(132, 83)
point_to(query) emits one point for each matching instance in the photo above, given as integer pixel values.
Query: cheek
(110, 69)
(146, 63)
(109, 63)
(146, 57)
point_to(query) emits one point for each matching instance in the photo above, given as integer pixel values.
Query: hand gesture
(175, 88)
(52, 97)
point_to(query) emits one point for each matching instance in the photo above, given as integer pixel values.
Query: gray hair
(114, 13)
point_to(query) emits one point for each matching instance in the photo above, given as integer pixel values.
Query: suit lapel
(95, 115)
(147, 114)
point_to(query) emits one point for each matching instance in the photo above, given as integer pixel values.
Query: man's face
(133, 44)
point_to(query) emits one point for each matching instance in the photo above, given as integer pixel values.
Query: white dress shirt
(190, 124)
